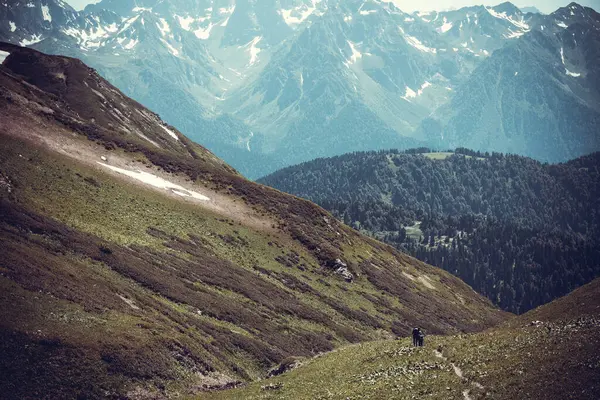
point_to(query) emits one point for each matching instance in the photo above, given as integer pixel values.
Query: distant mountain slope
(549, 353)
(271, 83)
(538, 96)
(531, 9)
(520, 232)
(135, 263)
(480, 30)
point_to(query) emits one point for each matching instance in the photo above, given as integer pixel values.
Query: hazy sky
(546, 6)
(79, 4)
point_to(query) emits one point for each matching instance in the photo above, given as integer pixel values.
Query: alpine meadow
(299, 199)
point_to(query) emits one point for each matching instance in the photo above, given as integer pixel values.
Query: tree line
(518, 231)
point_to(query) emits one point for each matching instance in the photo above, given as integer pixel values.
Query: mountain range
(138, 265)
(272, 83)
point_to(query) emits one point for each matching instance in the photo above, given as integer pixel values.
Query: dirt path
(467, 392)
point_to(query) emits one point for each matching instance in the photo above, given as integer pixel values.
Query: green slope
(549, 353)
(114, 288)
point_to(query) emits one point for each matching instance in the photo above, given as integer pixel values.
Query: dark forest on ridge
(520, 232)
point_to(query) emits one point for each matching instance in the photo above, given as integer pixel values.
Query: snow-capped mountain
(273, 82)
(480, 29)
(28, 22)
(538, 96)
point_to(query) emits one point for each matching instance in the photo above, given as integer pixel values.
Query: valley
(534, 355)
(434, 169)
(189, 279)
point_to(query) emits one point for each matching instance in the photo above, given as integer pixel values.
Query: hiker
(415, 337)
(421, 338)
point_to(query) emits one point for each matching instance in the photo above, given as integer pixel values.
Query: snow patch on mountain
(33, 40)
(157, 182)
(254, 50)
(46, 13)
(514, 35)
(170, 132)
(423, 87)
(225, 10)
(519, 24)
(416, 43)
(12, 25)
(94, 37)
(569, 73)
(128, 23)
(295, 16)
(171, 49)
(446, 26)
(204, 33)
(562, 24)
(131, 43)
(163, 26)
(3, 55)
(248, 141)
(185, 22)
(356, 55)
(411, 94)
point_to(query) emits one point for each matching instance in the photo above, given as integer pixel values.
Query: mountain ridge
(259, 93)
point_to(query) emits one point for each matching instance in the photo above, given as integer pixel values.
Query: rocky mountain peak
(576, 13)
(508, 8)
(28, 22)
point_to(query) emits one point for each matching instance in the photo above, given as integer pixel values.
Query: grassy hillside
(137, 264)
(549, 353)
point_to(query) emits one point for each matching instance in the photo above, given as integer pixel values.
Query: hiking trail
(466, 393)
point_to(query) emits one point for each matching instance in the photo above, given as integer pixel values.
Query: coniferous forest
(518, 231)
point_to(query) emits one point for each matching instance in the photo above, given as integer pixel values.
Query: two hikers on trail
(418, 337)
